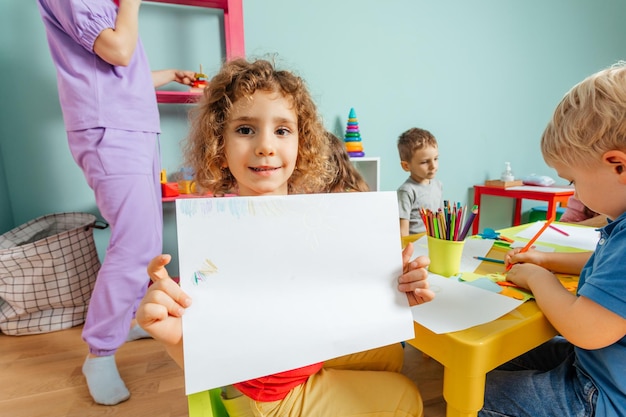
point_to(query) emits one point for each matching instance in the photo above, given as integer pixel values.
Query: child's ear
(405, 166)
(617, 159)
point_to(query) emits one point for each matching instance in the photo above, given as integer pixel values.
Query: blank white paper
(280, 282)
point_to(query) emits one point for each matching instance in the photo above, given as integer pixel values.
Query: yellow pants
(410, 238)
(361, 384)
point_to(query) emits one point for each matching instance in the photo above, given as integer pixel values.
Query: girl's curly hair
(237, 80)
(347, 177)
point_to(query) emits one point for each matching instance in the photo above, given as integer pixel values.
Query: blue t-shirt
(603, 280)
(92, 92)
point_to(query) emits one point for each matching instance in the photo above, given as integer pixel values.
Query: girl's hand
(414, 280)
(160, 312)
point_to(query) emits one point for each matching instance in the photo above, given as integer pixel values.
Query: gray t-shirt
(413, 196)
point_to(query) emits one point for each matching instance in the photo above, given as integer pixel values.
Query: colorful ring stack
(352, 138)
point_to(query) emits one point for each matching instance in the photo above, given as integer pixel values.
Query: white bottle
(507, 175)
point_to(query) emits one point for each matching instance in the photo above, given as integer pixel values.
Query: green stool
(206, 404)
(539, 213)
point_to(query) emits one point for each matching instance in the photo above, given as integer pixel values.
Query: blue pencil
(496, 261)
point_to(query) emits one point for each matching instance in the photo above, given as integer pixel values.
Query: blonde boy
(583, 371)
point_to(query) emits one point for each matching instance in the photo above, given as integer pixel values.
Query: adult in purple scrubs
(106, 91)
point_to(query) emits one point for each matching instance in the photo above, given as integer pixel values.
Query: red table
(553, 195)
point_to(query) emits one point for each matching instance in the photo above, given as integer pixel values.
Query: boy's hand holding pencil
(531, 241)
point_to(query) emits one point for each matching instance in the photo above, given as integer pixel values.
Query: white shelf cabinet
(369, 167)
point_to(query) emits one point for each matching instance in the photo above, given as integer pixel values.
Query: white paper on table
(536, 246)
(458, 305)
(585, 238)
(297, 280)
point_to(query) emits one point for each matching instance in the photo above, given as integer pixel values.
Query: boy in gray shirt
(419, 155)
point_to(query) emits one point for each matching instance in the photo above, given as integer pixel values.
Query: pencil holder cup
(445, 256)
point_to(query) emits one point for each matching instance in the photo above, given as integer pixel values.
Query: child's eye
(282, 131)
(244, 130)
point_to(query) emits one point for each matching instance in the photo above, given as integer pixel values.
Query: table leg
(464, 394)
(551, 214)
(517, 216)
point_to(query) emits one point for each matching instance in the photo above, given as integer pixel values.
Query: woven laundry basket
(48, 268)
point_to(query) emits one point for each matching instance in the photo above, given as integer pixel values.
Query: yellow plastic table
(468, 355)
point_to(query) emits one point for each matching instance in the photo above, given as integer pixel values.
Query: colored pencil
(436, 223)
(495, 261)
(468, 222)
(448, 222)
(563, 232)
(534, 238)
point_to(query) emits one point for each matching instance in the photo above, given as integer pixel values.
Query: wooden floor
(41, 377)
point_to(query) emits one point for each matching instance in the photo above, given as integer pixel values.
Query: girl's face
(261, 143)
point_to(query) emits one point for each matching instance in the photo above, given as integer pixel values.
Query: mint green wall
(483, 76)
(6, 214)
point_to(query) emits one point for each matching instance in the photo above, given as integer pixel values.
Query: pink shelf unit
(233, 37)
(177, 97)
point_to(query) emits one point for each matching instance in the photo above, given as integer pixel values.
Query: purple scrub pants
(123, 170)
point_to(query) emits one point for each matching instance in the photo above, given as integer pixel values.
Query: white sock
(105, 384)
(136, 333)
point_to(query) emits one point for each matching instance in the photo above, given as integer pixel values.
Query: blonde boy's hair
(239, 80)
(413, 140)
(589, 121)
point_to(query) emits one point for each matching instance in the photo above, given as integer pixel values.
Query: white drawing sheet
(579, 237)
(281, 282)
(459, 305)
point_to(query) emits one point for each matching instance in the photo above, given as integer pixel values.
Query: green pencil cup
(445, 256)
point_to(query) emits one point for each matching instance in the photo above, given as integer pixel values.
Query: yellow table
(468, 355)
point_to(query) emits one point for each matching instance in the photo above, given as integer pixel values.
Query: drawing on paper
(208, 268)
